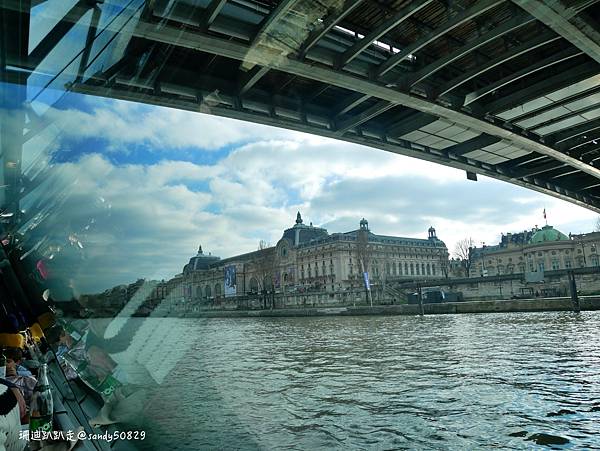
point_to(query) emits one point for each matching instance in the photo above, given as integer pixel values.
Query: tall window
(555, 265)
(412, 270)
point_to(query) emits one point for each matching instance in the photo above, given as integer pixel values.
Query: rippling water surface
(443, 382)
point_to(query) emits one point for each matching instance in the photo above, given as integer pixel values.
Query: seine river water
(438, 382)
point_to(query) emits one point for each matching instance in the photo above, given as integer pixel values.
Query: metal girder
(540, 169)
(211, 13)
(472, 144)
(560, 137)
(590, 186)
(252, 77)
(495, 33)
(58, 32)
(512, 78)
(480, 7)
(561, 117)
(399, 147)
(382, 29)
(567, 171)
(522, 160)
(582, 142)
(579, 96)
(350, 103)
(377, 109)
(274, 18)
(545, 86)
(564, 21)
(239, 51)
(328, 23)
(503, 58)
(412, 123)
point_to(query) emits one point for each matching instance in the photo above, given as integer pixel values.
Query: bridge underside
(507, 89)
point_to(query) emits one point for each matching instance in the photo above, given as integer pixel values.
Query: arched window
(412, 269)
(394, 268)
(423, 268)
(267, 282)
(217, 289)
(428, 269)
(207, 291)
(198, 292)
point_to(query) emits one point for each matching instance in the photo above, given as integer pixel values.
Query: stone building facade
(308, 259)
(536, 251)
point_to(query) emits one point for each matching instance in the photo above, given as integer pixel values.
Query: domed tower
(301, 233)
(200, 261)
(364, 224)
(547, 233)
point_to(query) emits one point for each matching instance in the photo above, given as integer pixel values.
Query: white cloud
(124, 124)
(147, 220)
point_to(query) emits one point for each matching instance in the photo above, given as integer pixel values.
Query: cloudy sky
(141, 187)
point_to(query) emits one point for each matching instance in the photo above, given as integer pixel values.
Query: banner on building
(230, 281)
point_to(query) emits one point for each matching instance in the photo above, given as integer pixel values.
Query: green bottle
(42, 405)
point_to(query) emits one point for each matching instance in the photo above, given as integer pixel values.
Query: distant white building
(538, 250)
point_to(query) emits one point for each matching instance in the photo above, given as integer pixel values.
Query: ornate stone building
(536, 251)
(309, 259)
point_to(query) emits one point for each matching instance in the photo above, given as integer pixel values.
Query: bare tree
(265, 268)
(463, 251)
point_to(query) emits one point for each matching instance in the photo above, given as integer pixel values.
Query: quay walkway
(498, 306)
